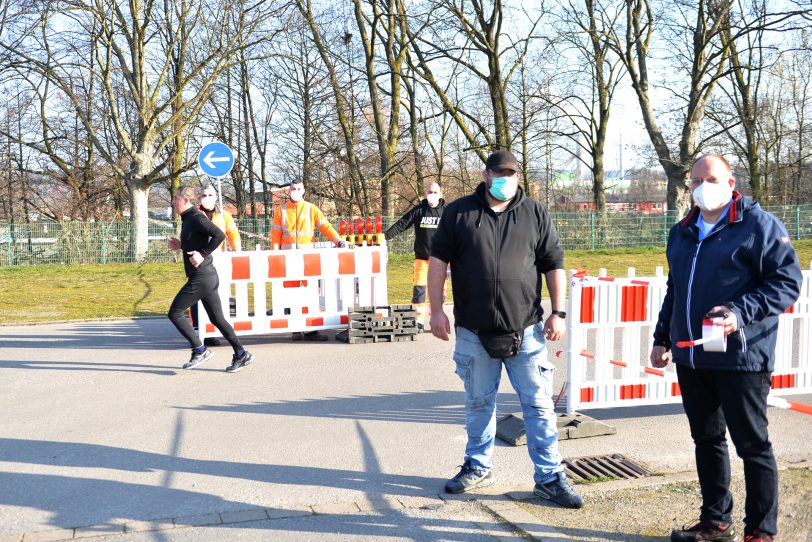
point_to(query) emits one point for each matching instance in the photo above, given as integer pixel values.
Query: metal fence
(108, 242)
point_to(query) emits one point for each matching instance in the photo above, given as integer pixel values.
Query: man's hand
(554, 328)
(173, 243)
(195, 258)
(659, 357)
(440, 326)
(345, 244)
(729, 320)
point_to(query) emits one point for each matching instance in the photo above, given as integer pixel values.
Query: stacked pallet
(385, 323)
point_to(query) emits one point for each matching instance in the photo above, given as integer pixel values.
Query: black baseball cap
(502, 160)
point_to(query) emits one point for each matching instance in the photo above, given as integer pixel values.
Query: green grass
(49, 293)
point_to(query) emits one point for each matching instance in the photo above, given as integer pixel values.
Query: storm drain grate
(604, 467)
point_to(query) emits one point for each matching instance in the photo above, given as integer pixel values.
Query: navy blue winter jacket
(747, 264)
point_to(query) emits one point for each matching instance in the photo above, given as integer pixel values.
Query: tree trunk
(139, 220)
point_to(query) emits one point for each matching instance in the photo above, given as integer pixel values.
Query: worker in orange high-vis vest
(221, 218)
(294, 226)
(295, 222)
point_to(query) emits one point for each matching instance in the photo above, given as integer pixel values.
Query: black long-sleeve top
(425, 219)
(201, 234)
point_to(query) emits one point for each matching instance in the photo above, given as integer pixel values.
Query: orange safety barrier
(283, 291)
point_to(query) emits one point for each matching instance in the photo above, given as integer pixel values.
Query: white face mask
(297, 195)
(712, 196)
(208, 203)
(433, 199)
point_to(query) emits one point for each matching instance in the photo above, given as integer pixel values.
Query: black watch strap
(560, 314)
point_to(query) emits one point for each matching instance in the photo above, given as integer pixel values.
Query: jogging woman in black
(199, 237)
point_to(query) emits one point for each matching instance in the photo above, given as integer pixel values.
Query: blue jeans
(532, 377)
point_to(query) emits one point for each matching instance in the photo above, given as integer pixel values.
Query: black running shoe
(467, 479)
(238, 363)
(198, 358)
(559, 491)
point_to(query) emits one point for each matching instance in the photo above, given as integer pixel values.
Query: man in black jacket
(733, 260)
(425, 217)
(199, 237)
(499, 244)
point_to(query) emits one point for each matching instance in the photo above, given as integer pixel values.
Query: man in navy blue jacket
(728, 257)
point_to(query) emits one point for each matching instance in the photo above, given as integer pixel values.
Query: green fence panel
(109, 242)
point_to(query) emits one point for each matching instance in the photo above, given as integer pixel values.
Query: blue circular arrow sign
(216, 159)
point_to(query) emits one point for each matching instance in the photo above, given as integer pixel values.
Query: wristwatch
(560, 314)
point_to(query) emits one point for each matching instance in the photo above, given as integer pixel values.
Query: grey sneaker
(238, 363)
(467, 479)
(706, 531)
(559, 491)
(198, 358)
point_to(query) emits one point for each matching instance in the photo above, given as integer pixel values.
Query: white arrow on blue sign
(216, 159)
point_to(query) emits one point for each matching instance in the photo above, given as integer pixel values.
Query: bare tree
(695, 34)
(698, 47)
(133, 67)
(589, 86)
(346, 120)
(469, 36)
(384, 21)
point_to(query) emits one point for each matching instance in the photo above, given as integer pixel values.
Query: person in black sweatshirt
(500, 244)
(199, 237)
(425, 217)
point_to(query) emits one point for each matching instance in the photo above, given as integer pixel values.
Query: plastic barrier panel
(613, 319)
(283, 291)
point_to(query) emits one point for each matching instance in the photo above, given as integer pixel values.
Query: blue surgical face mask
(504, 188)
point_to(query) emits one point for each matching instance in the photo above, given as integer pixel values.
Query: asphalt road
(101, 431)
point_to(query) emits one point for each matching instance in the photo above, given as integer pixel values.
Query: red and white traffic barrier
(614, 318)
(282, 291)
(772, 400)
(780, 402)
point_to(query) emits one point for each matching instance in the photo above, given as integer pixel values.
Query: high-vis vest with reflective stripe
(225, 222)
(294, 225)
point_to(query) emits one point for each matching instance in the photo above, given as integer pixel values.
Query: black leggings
(201, 288)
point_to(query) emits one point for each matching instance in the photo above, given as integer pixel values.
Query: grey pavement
(103, 435)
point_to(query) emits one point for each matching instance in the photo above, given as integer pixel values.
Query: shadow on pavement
(87, 366)
(432, 406)
(84, 501)
(140, 334)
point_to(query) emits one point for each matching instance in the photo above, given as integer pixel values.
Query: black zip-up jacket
(425, 219)
(201, 234)
(497, 260)
(747, 264)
